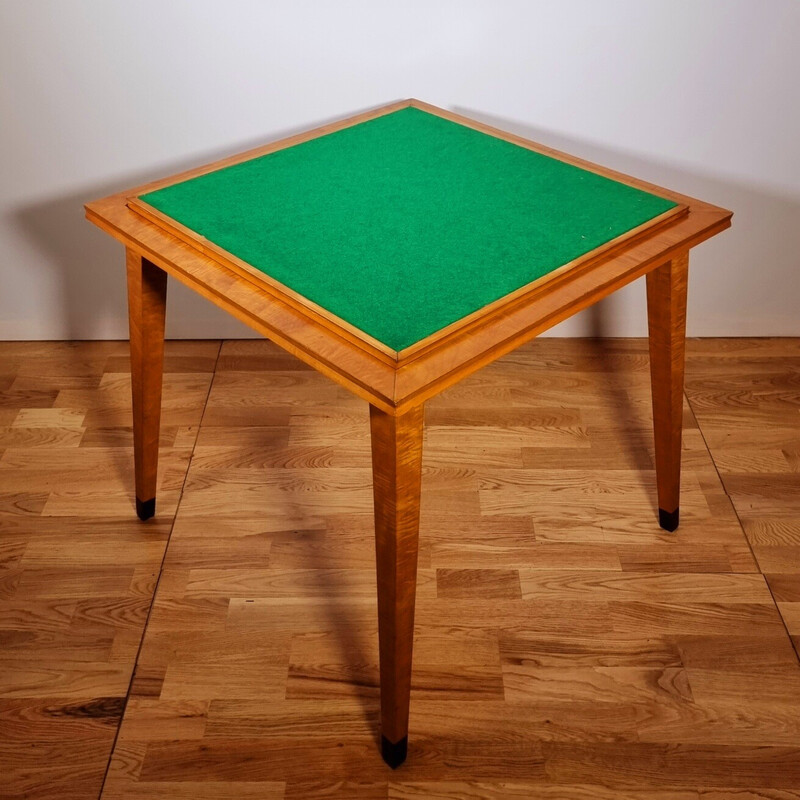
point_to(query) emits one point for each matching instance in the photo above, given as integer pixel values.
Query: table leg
(397, 475)
(666, 311)
(147, 296)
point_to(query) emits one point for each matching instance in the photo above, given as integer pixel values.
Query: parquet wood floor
(566, 646)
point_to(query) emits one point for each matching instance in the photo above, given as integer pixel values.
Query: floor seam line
(741, 525)
(158, 579)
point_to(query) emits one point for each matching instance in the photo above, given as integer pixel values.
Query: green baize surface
(406, 223)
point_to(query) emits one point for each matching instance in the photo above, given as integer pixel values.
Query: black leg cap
(394, 754)
(668, 520)
(145, 508)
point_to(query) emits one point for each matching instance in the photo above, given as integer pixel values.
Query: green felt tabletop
(406, 223)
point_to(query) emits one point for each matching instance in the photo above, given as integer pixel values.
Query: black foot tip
(145, 508)
(394, 754)
(668, 520)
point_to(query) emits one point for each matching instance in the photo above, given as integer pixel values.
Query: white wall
(98, 95)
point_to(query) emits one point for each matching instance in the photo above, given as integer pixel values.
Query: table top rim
(286, 293)
(696, 221)
(326, 316)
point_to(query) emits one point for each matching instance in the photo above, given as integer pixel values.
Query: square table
(397, 252)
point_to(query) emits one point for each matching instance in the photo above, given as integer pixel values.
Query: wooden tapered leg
(147, 297)
(397, 475)
(666, 311)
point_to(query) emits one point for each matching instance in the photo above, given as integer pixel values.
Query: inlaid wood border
(393, 381)
(345, 328)
(358, 336)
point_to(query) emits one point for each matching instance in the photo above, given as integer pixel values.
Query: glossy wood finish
(396, 482)
(666, 312)
(396, 383)
(147, 305)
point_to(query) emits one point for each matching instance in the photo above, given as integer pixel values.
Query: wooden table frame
(397, 384)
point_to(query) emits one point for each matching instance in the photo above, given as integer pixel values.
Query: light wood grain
(550, 637)
(147, 305)
(556, 634)
(652, 662)
(666, 311)
(77, 569)
(397, 478)
(396, 385)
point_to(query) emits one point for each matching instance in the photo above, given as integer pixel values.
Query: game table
(397, 252)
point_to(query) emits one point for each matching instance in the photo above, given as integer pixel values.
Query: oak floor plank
(565, 645)
(78, 572)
